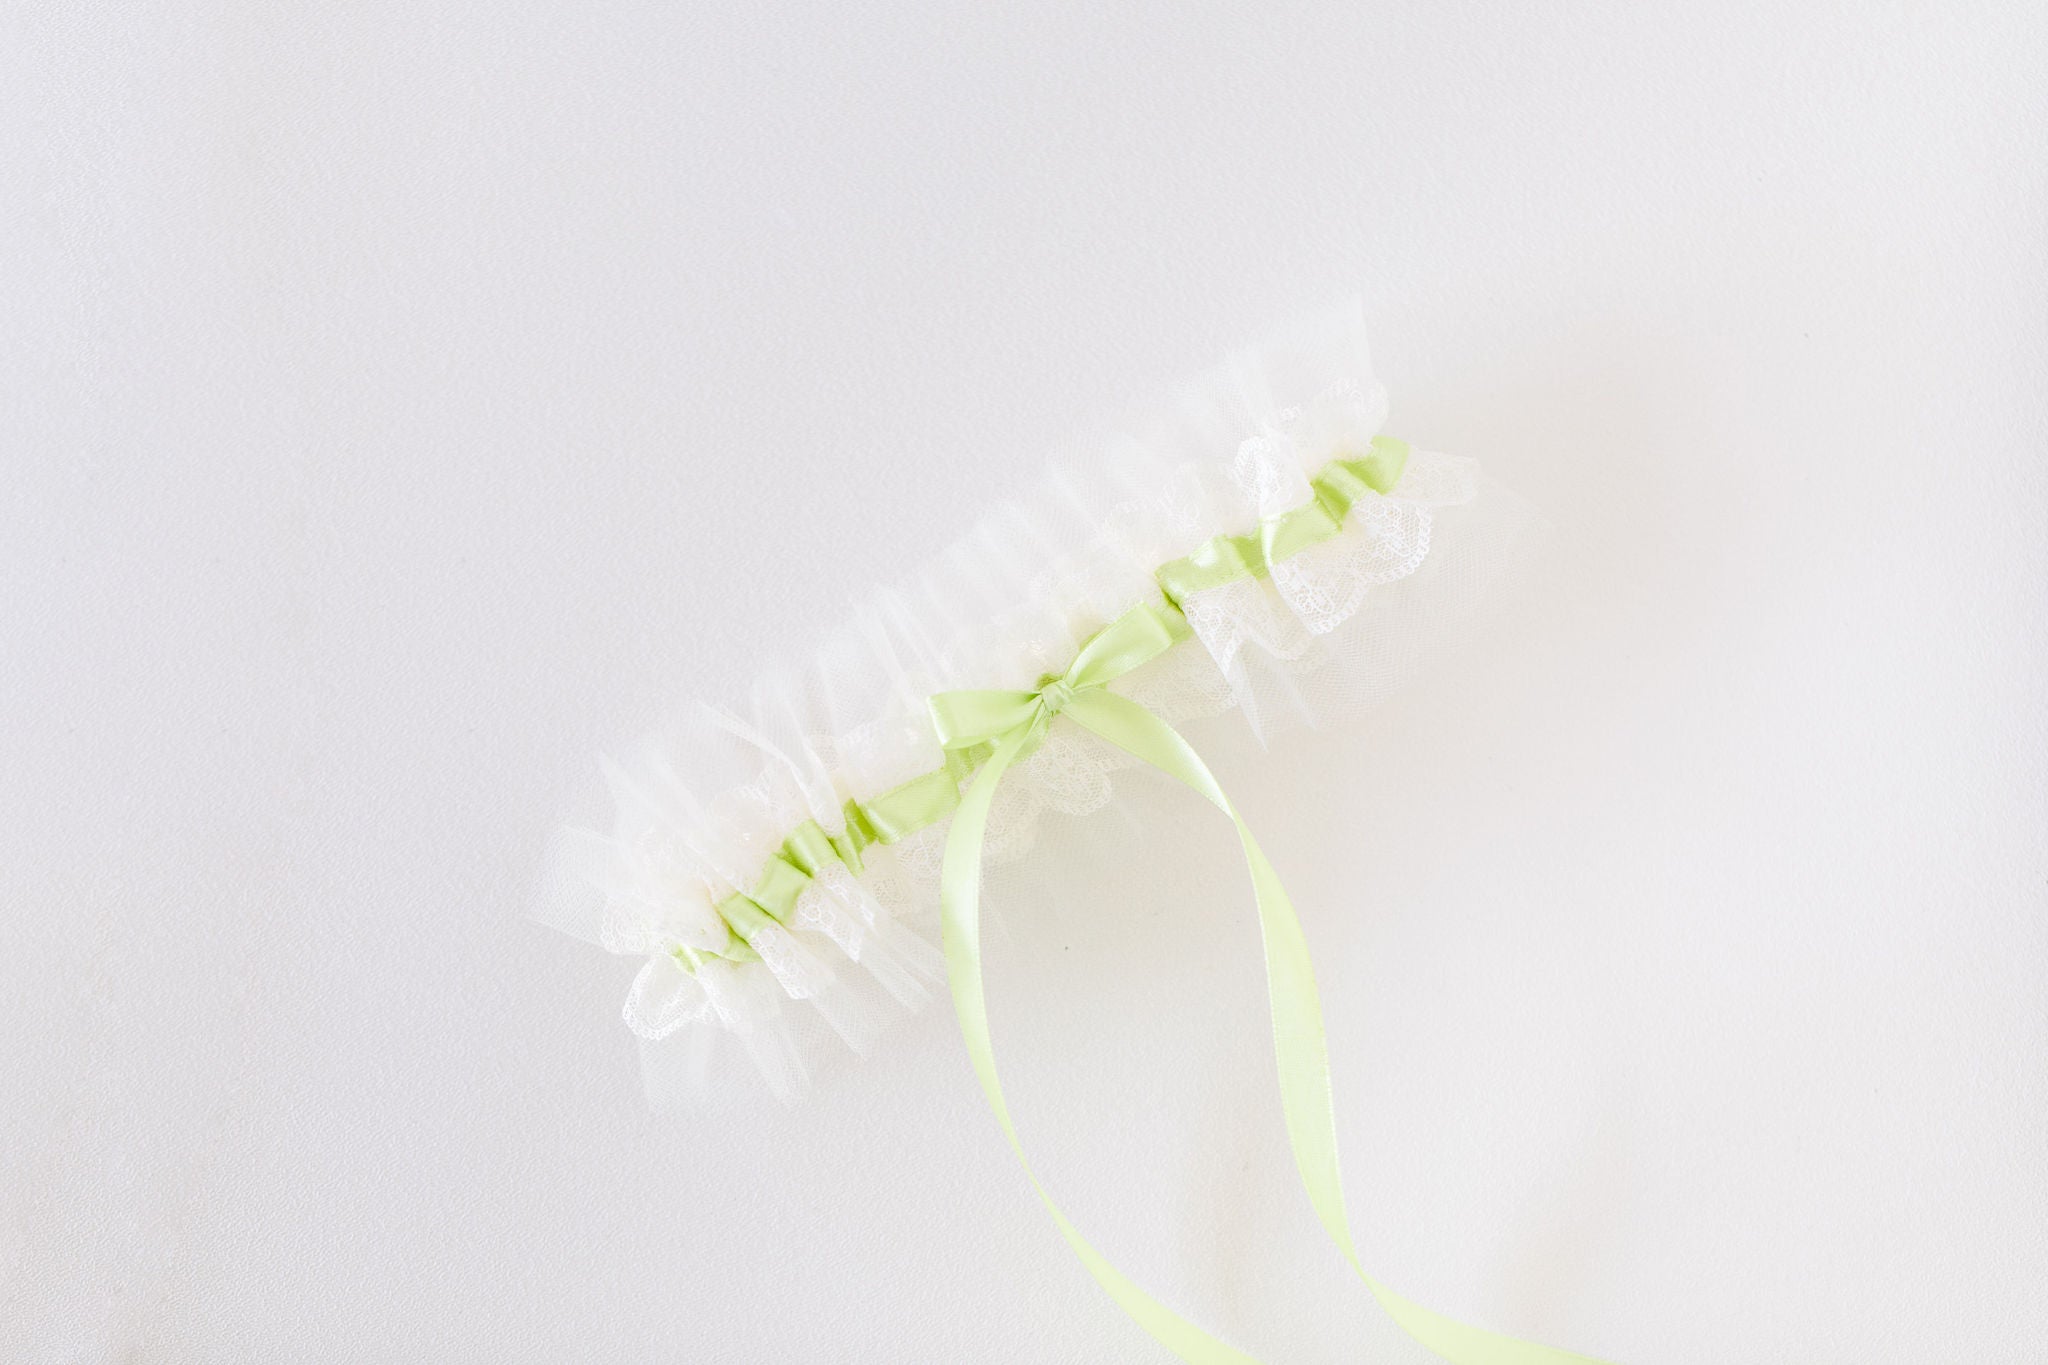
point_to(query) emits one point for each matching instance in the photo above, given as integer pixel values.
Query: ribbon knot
(1054, 692)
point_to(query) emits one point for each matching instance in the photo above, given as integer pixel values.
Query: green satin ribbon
(1014, 723)
(902, 810)
(1337, 487)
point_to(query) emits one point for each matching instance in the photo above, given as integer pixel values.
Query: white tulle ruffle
(700, 808)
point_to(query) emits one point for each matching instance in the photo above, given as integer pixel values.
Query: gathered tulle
(700, 808)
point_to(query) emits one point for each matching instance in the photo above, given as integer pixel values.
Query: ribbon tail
(960, 901)
(1300, 1045)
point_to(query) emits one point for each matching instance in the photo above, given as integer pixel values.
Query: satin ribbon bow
(1014, 723)
(967, 719)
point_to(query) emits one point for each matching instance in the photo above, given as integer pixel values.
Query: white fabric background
(401, 402)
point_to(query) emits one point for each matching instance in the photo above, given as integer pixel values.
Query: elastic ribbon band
(1014, 723)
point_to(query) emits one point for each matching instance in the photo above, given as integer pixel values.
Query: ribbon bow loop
(965, 720)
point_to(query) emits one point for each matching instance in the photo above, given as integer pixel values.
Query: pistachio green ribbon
(1014, 723)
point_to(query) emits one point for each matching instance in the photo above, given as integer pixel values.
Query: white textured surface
(400, 402)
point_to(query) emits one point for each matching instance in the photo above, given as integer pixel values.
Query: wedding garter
(796, 875)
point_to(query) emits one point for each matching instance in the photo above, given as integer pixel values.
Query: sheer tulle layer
(777, 868)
